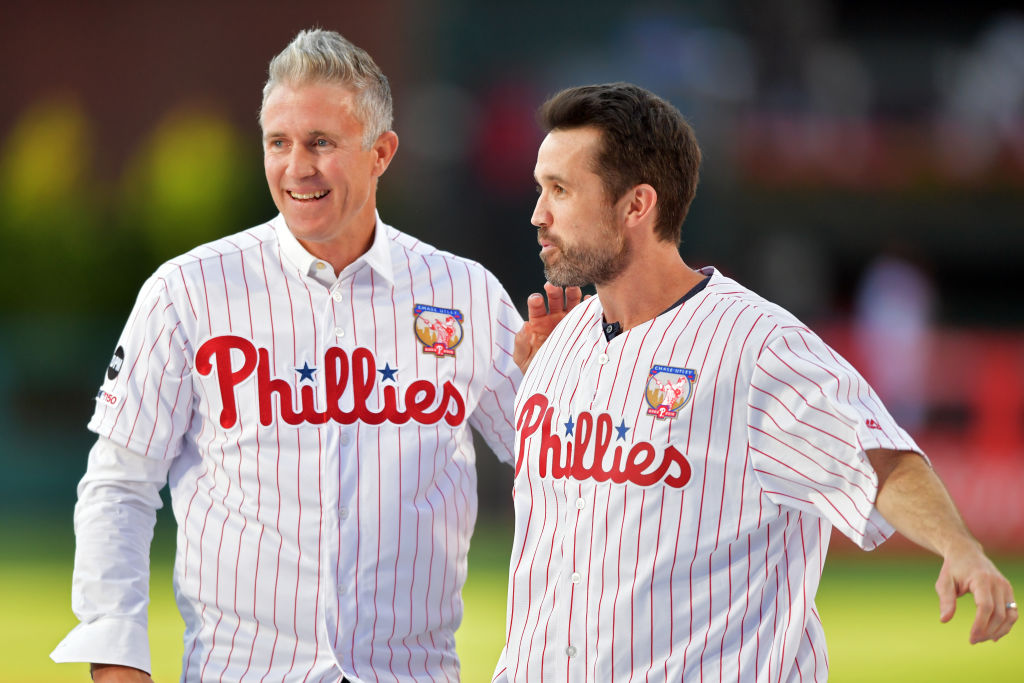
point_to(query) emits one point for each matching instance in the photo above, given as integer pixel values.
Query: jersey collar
(377, 257)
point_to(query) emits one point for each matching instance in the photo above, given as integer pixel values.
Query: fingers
(522, 349)
(1012, 614)
(994, 617)
(971, 572)
(573, 295)
(946, 588)
(984, 616)
(535, 307)
(556, 298)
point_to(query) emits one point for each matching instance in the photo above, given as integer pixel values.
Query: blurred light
(185, 184)
(44, 163)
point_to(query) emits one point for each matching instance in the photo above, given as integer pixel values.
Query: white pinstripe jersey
(675, 490)
(323, 475)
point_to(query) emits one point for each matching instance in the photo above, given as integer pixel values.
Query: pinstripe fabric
(323, 474)
(687, 547)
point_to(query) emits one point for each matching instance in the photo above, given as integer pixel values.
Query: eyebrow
(551, 177)
(312, 134)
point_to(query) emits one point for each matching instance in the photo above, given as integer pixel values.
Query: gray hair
(317, 55)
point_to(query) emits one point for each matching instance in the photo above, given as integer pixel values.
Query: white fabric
(688, 547)
(319, 458)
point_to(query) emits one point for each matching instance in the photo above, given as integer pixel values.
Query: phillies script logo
(588, 454)
(420, 402)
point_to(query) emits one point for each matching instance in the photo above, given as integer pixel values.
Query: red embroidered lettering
(219, 350)
(588, 451)
(424, 403)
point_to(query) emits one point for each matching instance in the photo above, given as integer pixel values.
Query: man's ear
(384, 148)
(640, 204)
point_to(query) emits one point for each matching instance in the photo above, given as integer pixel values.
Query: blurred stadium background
(864, 166)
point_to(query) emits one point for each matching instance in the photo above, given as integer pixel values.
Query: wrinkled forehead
(295, 95)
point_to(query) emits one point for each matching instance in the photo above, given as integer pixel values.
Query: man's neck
(646, 290)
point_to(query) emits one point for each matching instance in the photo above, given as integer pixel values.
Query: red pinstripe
(259, 481)
(704, 482)
(636, 567)
(359, 506)
(128, 377)
(149, 441)
(572, 589)
(807, 403)
(600, 597)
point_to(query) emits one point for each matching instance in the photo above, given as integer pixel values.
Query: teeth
(310, 195)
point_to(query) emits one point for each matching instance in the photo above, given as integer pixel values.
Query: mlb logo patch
(438, 329)
(107, 398)
(668, 390)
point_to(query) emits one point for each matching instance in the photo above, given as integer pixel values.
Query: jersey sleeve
(493, 417)
(117, 503)
(811, 420)
(144, 402)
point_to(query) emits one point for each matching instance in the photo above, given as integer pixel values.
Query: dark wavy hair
(644, 139)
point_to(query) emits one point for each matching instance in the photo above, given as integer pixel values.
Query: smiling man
(306, 388)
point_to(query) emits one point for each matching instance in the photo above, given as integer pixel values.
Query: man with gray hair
(288, 383)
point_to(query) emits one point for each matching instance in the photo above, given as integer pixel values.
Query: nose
(541, 216)
(301, 162)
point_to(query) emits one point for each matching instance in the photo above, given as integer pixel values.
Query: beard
(579, 265)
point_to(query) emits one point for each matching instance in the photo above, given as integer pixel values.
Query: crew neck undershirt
(612, 330)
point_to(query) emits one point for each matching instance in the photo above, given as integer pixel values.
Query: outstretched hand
(542, 316)
(970, 571)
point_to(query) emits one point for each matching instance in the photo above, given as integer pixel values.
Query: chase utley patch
(438, 329)
(668, 390)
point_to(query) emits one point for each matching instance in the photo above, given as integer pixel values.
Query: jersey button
(343, 513)
(338, 332)
(580, 503)
(345, 439)
(571, 651)
(603, 358)
(320, 265)
(577, 577)
(337, 296)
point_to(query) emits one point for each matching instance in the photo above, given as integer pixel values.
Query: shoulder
(225, 249)
(769, 314)
(422, 259)
(788, 343)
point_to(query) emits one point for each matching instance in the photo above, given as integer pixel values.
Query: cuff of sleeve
(106, 641)
(877, 531)
(500, 670)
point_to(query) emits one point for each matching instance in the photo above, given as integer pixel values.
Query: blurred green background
(879, 610)
(864, 167)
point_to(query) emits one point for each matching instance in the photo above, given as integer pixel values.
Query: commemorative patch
(438, 329)
(668, 390)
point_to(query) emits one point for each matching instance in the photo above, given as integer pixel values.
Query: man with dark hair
(685, 447)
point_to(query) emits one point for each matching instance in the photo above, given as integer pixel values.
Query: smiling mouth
(308, 196)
